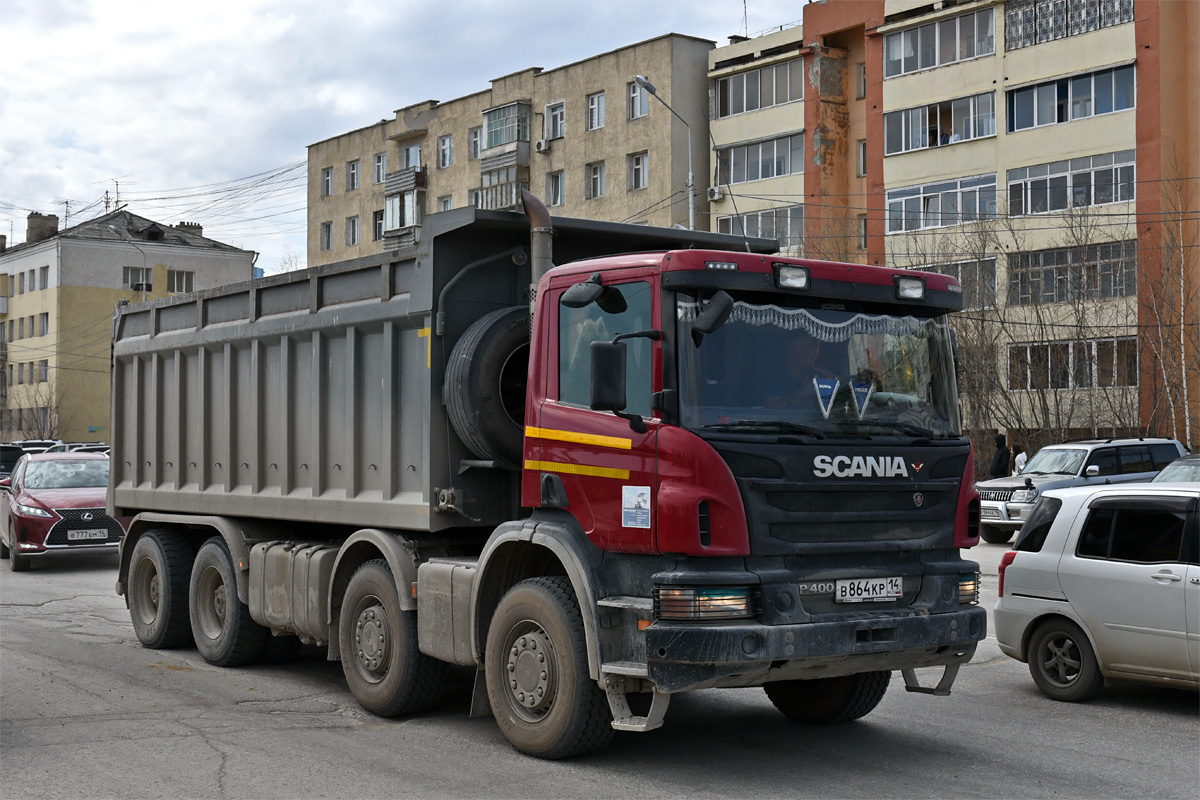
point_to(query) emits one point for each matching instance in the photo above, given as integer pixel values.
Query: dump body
(316, 396)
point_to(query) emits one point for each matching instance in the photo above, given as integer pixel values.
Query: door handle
(1166, 576)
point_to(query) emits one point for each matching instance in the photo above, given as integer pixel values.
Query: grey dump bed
(315, 396)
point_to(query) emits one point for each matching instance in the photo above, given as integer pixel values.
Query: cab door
(608, 469)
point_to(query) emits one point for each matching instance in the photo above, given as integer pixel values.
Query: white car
(1104, 582)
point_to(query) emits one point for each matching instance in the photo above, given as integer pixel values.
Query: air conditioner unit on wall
(542, 145)
(715, 193)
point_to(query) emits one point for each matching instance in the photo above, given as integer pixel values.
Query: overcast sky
(203, 115)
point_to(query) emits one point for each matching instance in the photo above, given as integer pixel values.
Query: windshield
(89, 474)
(1055, 461)
(1179, 472)
(819, 372)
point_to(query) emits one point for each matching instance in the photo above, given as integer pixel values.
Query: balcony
(502, 197)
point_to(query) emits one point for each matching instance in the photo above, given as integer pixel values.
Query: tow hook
(912, 684)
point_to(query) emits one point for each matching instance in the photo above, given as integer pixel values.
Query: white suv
(1105, 582)
(1005, 503)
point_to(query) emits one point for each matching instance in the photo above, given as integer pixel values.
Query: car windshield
(818, 372)
(1055, 461)
(1184, 471)
(81, 474)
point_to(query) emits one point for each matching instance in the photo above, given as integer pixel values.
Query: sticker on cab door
(635, 506)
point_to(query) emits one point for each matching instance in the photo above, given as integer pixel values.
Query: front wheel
(158, 589)
(221, 625)
(826, 700)
(537, 673)
(385, 671)
(1062, 662)
(993, 535)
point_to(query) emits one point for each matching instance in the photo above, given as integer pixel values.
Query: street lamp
(641, 81)
(120, 233)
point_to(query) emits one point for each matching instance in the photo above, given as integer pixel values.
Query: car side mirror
(6, 483)
(608, 380)
(1093, 470)
(714, 315)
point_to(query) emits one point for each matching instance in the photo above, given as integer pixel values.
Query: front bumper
(1004, 515)
(685, 656)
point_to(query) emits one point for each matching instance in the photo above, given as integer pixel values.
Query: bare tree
(39, 417)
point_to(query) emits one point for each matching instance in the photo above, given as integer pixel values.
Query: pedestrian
(1000, 460)
(1019, 459)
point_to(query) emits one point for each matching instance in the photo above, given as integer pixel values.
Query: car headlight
(1024, 495)
(32, 511)
(704, 603)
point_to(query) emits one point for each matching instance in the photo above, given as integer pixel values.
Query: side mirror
(6, 484)
(714, 315)
(1093, 471)
(581, 295)
(608, 376)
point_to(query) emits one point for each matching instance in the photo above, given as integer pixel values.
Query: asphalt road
(86, 712)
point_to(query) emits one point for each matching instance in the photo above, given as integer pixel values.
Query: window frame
(927, 38)
(594, 104)
(352, 176)
(638, 174)
(556, 120)
(638, 105)
(445, 146)
(594, 180)
(380, 168)
(326, 181)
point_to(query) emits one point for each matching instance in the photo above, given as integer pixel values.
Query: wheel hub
(155, 590)
(371, 638)
(531, 671)
(1061, 661)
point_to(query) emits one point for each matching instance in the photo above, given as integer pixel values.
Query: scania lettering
(693, 467)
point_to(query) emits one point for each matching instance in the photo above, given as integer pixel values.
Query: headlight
(696, 603)
(1024, 495)
(33, 511)
(968, 590)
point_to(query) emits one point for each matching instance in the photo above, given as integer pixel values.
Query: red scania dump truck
(699, 465)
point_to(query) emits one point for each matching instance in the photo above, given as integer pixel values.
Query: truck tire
(826, 700)
(159, 567)
(1062, 662)
(221, 625)
(385, 671)
(537, 673)
(485, 385)
(993, 535)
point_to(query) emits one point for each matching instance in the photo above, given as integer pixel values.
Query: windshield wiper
(781, 425)
(907, 427)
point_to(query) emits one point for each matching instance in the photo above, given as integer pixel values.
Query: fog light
(910, 288)
(793, 277)
(968, 590)
(697, 603)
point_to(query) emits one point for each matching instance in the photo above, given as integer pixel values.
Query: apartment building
(58, 290)
(585, 137)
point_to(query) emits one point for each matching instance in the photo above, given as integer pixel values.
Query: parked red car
(53, 503)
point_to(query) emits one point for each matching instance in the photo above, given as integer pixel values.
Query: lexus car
(54, 503)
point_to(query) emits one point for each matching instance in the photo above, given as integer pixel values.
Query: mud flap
(912, 684)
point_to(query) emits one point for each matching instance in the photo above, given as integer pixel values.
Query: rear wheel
(993, 535)
(537, 673)
(158, 589)
(1062, 662)
(826, 700)
(221, 625)
(385, 671)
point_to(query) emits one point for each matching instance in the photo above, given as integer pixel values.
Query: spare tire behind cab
(485, 385)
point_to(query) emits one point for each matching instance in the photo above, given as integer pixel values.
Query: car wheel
(827, 700)
(993, 535)
(15, 562)
(1062, 662)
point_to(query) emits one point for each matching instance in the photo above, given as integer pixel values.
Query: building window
(595, 111)
(137, 279)
(507, 124)
(412, 156)
(862, 231)
(21, 328)
(556, 121)
(475, 198)
(43, 324)
(21, 283)
(43, 370)
(351, 231)
(445, 151)
(352, 175)
(474, 137)
(555, 188)
(1067, 99)
(948, 122)
(1072, 183)
(326, 181)
(860, 151)
(938, 43)
(180, 281)
(784, 224)
(1030, 22)
(638, 177)
(43, 277)
(1066, 274)
(639, 101)
(937, 205)
(977, 279)
(445, 203)
(769, 159)
(403, 210)
(595, 180)
(1077, 364)
(860, 80)
(760, 88)
(377, 226)
(326, 236)
(380, 167)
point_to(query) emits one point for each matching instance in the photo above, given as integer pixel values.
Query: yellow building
(584, 137)
(58, 290)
